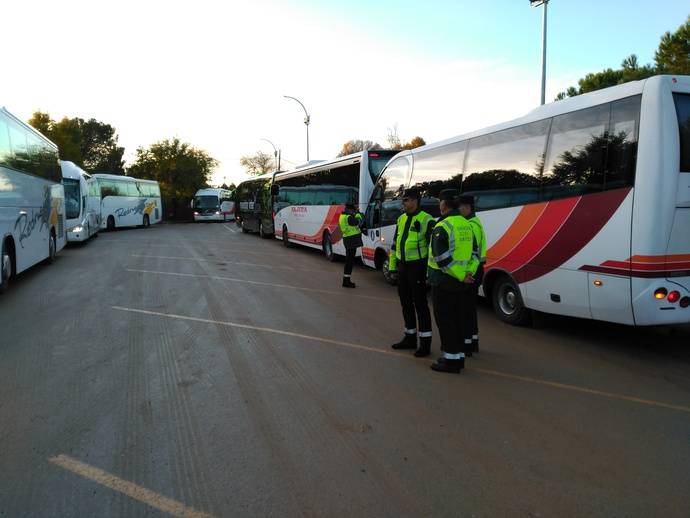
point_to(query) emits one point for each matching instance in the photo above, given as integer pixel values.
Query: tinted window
(132, 189)
(576, 155)
(435, 170)
(389, 190)
(505, 161)
(72, 198)
(335, 186)
(682, 102)
(5, 150)
(622, 144)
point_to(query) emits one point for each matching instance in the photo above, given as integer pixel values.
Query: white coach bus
(128, 202)
(82, 202)
(32, 208)
(213, 205)
(309, 200)
(585, 203)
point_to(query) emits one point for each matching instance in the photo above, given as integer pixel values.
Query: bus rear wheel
(6, 267)
(52, 247)
(262, 233)
(507, 302)
(110, 223)
(327, 246)
(147, 222)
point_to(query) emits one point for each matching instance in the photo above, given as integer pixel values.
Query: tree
(178, 167)
(393, 138)
(415, 142)
(354, 146)
(673, 54)
(259, 163)
(89, 144)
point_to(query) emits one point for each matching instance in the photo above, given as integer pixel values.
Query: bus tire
(286, 240)
(327, 246)
(52, 247)
(110, 223)
(262, 234)
(6, 265)
(147, 222)
(390, 277)
(507, 302)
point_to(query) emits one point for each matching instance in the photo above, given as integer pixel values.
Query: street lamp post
(307, 120)
(276, 152)
(537, 3)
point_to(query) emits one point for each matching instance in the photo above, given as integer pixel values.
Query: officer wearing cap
(479, 251)
(451, 275)
(408, 256)
(349, 223)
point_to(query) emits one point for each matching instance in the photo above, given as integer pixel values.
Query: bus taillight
(673, 297)
(685, 302)
(660, 293)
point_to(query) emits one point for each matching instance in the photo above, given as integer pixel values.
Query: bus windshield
(376, 165)
(72, 198)
(206, 202)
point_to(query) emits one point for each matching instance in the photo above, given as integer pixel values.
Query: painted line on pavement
(584, 390)
(229, 262)
(515, 377)
(229, 228)
(146, 496)
(262, 329)
(259, 283)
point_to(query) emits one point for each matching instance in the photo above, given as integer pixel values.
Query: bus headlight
(78, 228)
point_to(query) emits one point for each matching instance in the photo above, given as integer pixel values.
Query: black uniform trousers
(350, 254)
(451, 315)
(412, 293)
(473, 325)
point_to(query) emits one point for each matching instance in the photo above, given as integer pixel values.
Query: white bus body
(213, 205)
(32, 209)
(128, 202)
(585, 203)
(310, 199)
(82, 202)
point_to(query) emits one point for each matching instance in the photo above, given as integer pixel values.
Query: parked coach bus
(253, 205)
(213, 205)
(32, 200)
(128, 202)
(310, 199)
(585, 203)
(82, 202)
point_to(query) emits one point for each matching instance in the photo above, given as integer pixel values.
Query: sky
(214, 73)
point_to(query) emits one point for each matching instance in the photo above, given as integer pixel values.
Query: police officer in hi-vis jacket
(452, 267)
(349, 223)
(408, 256)
(479, 251)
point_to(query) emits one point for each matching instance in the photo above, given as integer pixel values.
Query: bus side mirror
(275, 189)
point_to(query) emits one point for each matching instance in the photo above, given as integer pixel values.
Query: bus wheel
(327, 246)
(286, 241)
(507, 302)
(147, 222)
(390, 277)
(5, 266)
(110, 223)
(262, 234)
(52, 247)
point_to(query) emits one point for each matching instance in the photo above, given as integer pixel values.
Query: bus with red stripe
(308, 201)
(585, 203)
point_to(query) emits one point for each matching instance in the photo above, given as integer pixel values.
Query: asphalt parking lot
(192, 370)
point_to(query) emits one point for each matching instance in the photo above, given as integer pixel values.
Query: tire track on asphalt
(338, 435)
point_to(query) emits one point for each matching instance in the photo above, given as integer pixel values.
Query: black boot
(447, 365)
(347, 283)
(467, 347)
(409, 341)
(424, 347)
(475, 343)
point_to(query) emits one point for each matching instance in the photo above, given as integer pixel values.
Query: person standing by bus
(451, 275)
(349, 223)
(479, 253)
(408, 256)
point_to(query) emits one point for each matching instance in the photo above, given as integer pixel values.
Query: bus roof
(211, 191)
(553, 109)
(27, 126)
(342, 160)
(106, 176)
(72, 171)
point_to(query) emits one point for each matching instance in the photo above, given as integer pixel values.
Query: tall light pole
(276, 152)
(545, 3)
(307, 120)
